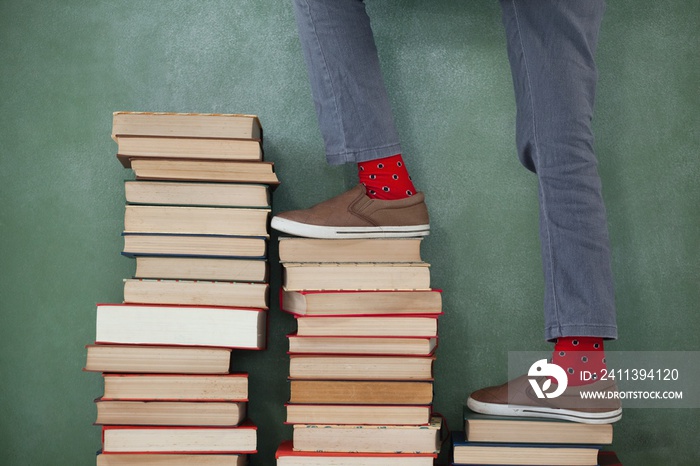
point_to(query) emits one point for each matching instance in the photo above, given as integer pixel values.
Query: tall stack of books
(495, 440)
(196, 222)
(361, 360)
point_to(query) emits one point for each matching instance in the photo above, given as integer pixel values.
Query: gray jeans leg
(551, 47)
(347, 86)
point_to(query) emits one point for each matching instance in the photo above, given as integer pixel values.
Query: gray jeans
(551, 47)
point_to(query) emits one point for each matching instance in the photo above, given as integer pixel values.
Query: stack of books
(361, 360)
(494, 440)
(196, 222)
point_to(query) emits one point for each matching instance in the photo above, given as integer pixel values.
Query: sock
(581, 358)
(386, 178)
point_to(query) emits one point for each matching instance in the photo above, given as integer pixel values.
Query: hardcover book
(163, 325)
(152, 359)
(287, 456)
(143, 439)
(175, 387)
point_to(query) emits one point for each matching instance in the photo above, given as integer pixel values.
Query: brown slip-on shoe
(598, 405)
(354, 215)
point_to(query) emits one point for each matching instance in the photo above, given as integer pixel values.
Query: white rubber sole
(315, 231)
(607, 417)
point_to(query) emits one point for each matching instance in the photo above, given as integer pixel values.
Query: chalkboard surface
(67, 65)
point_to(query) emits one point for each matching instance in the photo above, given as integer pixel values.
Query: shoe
(354, 215)
(518, 398)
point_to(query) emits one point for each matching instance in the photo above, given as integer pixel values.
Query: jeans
(551, 48)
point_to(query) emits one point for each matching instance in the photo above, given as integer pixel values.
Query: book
(230, 221)
(361, 276)
(197, 194)
(204, 170)
(164, 325)
(402, 326)
(346, 303)
(151, 359)
(187, 148)
(231, 247)
(287, 456)
(201, 268)
(170, 413)
(358, 414)
(362, 345)
(481, 428)
(160, 459)
(179, 439)
(361, 392)
(360, 367)
(196, 293)
(541, 454)
(293, 249)
(373, 439)
(193, 125)
(176, 387)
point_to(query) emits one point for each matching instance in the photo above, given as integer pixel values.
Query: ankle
(386, 178)
(583, 358)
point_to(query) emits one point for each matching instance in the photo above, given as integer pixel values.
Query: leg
(551, 47)
(357, 126)
(346, 82)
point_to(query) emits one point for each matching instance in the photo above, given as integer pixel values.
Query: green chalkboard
(67, 65)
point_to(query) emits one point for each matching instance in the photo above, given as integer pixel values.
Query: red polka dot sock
(583, 358)
(386, 178)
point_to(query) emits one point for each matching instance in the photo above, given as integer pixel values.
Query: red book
(287, 456)
(149, 439)
(608, 458)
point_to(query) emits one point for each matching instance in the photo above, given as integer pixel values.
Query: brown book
(196, 293)
(386, 415)
(540, 454)
(174, 439)
(196, 220)
(358, 438)
(286, 455)
(151, 359)
(175, 387)
(361, 276)
(392, 250)
(136, 324)
(170, 413)
(193, 125)
(378, 326)
(339, 303)
(204, 170)
(361, 392)
(158, 459)
(348, 367)
(136, 244)
(482, 428)
(361, 345)
(201, 268)
(187, 148)
(197, 194)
